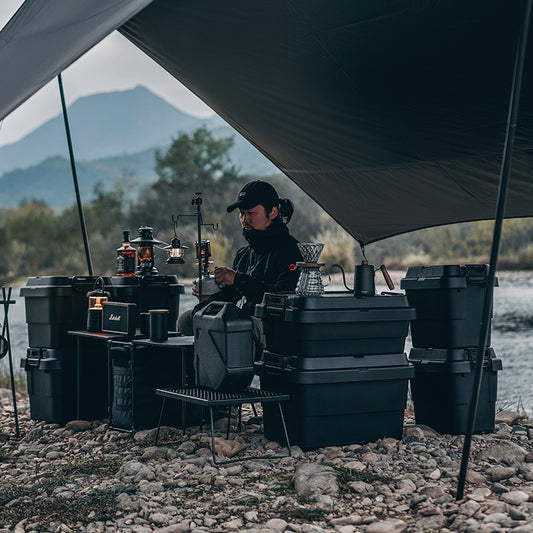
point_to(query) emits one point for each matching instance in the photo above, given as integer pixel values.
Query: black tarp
(391, 114)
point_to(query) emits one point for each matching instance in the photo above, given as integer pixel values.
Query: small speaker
(119, 318)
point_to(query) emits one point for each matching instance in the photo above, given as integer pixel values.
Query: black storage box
(55, 305)
(148, 292)
(356, 404)
(136, 372)
(334, 324)
(442, 390)
(223, 347)
(449, 303)
(51, 381)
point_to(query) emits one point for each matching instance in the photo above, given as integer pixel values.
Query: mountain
(102, 125)
(112, 133)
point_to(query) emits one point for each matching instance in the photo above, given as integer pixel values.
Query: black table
(213, 399)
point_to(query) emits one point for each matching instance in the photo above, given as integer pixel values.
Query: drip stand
(6, 301)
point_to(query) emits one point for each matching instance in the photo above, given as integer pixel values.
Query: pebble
(386, 486)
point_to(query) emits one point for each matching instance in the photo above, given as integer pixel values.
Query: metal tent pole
(500, 209)
(75, 178)
(5, 331)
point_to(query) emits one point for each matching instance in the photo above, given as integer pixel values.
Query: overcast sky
(113, 64)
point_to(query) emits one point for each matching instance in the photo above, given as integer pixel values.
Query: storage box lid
(445, 276)
(334, 300)
(345, 375)
(332, 363)
(455, 367)
(47, 286)
(169, 282)
(443, 354)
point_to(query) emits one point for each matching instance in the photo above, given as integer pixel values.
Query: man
(266, 264)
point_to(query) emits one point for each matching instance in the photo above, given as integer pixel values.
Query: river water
(512, 337)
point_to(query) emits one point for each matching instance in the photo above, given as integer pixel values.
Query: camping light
(145, 251)
(176, 252)
(97, 297)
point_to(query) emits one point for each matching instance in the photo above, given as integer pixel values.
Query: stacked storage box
(54, 305)
(341, 360)
(148, 292)
(449, 303)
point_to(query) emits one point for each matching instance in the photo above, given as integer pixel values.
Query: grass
(347, 475)
(32, 501)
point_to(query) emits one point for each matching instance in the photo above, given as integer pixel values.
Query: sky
(114, 64)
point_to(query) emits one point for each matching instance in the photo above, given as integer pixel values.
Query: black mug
(144, 326)
(158, 325)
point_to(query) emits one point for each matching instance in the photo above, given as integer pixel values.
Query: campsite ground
(86, 477)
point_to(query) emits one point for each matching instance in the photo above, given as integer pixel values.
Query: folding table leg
(160, 418)
(212, 436)
(284, 428)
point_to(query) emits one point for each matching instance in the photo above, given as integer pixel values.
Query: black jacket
(267, 264)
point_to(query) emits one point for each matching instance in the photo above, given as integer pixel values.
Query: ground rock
(508, 452)
(387, 526)
(515, 497)
(311, 479)
(78, 425)
(508, 417)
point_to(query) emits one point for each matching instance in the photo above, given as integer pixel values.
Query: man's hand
(224, 276)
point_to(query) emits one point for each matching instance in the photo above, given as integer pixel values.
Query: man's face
(257, 218)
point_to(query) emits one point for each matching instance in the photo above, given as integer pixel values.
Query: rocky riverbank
(86, 477)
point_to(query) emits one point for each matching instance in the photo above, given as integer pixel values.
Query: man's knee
(185, 323)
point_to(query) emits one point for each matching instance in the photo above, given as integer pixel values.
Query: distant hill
(111, 132)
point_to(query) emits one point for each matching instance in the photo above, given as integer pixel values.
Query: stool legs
(160, 418)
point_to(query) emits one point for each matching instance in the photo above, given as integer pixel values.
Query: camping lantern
(176, 252)
(145, 251)
(97, 297)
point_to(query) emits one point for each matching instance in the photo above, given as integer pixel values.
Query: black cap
(256, 193)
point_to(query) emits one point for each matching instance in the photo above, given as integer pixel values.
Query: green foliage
(40, 241)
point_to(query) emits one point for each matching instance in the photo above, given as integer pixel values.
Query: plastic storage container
(334, 324)
(442, 390)
(51, 381)
(223, 347)
(333, 407)
(449, 303)
(148, 292)
(54, 305)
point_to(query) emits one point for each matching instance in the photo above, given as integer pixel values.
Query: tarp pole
(500, 209)
(75, 178)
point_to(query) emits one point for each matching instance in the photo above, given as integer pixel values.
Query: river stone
(431, 523)
(498, 518)
(498, 488)
(507, 417)
(311, 479)
(499, 473)
(78, 425)
(527, 471)
(182, 527)
(433, 491)
(508, 452)
(517, 514)
(515, 497)
(353, 519)
(387, 526)
(154, 452)
(276, 523)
